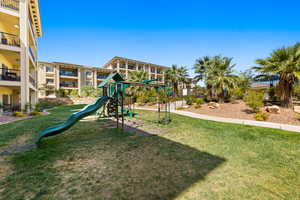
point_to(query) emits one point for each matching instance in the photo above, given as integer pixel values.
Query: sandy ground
(240, 110)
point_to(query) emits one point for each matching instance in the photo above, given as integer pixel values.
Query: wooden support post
(117, 106)
(122, 107)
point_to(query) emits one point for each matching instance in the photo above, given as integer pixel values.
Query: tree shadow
(95, 160)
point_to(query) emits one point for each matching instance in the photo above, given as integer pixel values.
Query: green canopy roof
(114, 76)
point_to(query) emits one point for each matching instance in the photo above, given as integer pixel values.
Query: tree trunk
(286, 90)
(222, 96)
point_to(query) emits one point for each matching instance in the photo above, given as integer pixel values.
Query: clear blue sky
(166, 32)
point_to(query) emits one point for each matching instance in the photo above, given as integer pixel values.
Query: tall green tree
(284, 62)
(217, 73)
(176, 75)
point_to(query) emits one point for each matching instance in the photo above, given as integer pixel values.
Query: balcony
(68, 85)
(32, 81)
(9, 74)
(9, 39)
(68, 73)
(130, 67)
(32, 54)
(102, 76)
(10, 4)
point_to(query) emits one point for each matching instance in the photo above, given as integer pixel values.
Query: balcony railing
(131, 67)
(69, 85)
(68, 73)
(32, 54)
(9, 39)
(32, 81)
(9, 74)
(10, 4)
(102, 76)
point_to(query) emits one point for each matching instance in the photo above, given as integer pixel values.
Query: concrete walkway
(235, 121)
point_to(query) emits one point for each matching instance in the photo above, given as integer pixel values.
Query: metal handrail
(32, 81)
(66, 73)
(68, 85)
(102, 76)
(32, 54)
(9, 39)
(9, 74)
(10, 4)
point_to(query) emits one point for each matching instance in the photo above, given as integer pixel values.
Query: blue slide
(75, 117)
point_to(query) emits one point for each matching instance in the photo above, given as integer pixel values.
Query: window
(152, 70)
(50, 81)
(49, 69)
(131, 67)
(88, 73)
(50, 93)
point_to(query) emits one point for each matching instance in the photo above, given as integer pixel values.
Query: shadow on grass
(93, 160)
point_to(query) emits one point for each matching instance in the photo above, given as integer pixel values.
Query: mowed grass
(194, 159)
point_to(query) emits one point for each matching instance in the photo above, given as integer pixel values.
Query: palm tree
(202, 67)
(176, 75)
(217, 73)
(138, 76)
(284, 62)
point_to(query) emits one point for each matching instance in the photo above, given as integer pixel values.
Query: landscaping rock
(297, 109)
(213, 105)
(273, 109)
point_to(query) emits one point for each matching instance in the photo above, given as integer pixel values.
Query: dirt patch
(240, 110)
(19, 144)
(140, 127)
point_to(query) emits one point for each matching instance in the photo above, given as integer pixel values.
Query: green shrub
(142, 100)
(261, 116)
(190, 100)
(74, 93)
(90, 91)
(152, 96)
(200, 101)
(254, 100)
(179, 108)
(19, 114)
(197, 106)
(34, 113)
(297, 91)
(237, 93)
(38, 107)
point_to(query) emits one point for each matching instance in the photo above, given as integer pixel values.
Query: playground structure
(114, 91)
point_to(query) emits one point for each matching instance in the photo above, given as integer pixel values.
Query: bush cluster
(254, 100)
(19, 114)
(199, 102)
(261, 116)
(148, 97)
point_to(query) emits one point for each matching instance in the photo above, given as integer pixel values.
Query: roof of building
(77, 66)
(36, 16)
(132, 60)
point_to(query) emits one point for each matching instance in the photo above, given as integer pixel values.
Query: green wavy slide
(75, 117)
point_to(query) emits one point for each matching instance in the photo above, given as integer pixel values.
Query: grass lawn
(194, 159)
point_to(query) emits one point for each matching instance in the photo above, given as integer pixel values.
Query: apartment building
(57, 75)
(20, 25)
(125, 66)
(53, 76)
